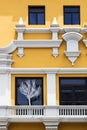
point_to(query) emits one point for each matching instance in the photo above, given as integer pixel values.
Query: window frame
(36, 14)
(74, 91)
(71, 15)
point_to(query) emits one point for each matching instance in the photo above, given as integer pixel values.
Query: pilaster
(51, 89)
(5, 79)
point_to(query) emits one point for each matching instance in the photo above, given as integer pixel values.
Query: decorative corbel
(72, 49)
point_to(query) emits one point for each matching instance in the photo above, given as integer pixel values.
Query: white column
(51, 89)
(5, 89)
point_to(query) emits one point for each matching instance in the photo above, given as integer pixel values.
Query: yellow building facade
(43, 67)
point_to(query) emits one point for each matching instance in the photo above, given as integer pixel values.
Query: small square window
(71, 15)
(36, 15)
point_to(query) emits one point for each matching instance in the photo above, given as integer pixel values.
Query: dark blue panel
(73, 81)
(71, 9)
(67, 18)
(76, 18)
(36, 9)
(32, 18)
(40, 18)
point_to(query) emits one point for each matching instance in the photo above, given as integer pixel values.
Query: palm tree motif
(29, 89)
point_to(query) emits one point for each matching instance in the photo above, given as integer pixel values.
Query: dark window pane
(36, 9)
(74, 81)
(73, 91)
(76, 18)
(71, 9)
(40, 18)
(67, 18)
(71, 15)
(36, 15)
(32, 18)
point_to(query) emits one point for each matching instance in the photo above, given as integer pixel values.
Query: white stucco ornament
(20, 22)
(72, 49)
(54, 21)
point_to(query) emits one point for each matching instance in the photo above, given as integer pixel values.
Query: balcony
(43, 113)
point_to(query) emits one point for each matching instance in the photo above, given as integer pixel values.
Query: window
(71, 15)
(29, 91)
(73, 91)
(36, 15)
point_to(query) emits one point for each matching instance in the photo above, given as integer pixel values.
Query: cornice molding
(37, 43)
(60, 30)
(8, 49)
(43, 70)
(30, 44)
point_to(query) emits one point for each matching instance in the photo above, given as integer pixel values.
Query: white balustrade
(72, 110)
(43, 111)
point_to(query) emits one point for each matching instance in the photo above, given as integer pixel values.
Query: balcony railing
(41, 112)
(73, 110)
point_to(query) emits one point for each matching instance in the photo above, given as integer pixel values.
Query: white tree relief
(29, 89)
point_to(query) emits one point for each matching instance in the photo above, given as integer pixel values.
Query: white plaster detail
(43, 70)
(51, 125)
(51, 89)
(20, 28)
(5, 89)
(54, 28)
(72, 49)
(30, 44)
(55, 52)
(5, 60)
(61, 30)
(72, 36)
(12, 114)
(38, 43)
(20, 52)
(72, 56)
(20, 21)
(4, 124)
(54, 21)
(78, 30)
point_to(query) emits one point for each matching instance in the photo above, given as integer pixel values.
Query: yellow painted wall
(26, 126)
(43, 58)
(23, 75)
(40, 126)
(72, 126)
(11, 11)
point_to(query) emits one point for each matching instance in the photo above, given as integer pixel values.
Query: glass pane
(67, 18)
(29, 91)
(36, 9)
(66, 96)
(40, 18)
(80, 96)
(76, 18)
(32, 18)
(73, 91)
(73, 82)
(71, 9)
